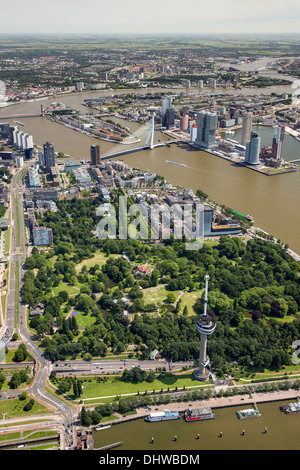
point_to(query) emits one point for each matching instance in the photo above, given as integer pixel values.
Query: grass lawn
(70, 289)
(14, 408)
(113, 387)
(189, 299)
(157, 294)
(84, 319)
(98, 258)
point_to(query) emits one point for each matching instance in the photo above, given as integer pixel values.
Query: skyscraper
(206, 327)
(169, 120)
(277, 142)
(166, 104)
(253, 149)
(95, 155)
(207, 124)
(49, 156)
(247, 128)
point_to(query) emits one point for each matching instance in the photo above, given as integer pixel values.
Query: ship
(249, 217)
(198, 414)
(175, 163)
(291, 408)
(248, 413)
(162, 416)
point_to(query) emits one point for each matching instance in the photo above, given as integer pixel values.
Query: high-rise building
(253, 149)
(206, 327)
(169, 120)
(277, 142)
(49, 156)
(166, 104)
(95, 155)
(246, 128)
(34, 179)
(207, 124)
(200, 83)
(184, 122)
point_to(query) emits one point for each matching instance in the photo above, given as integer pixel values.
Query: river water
(283, 432)
(273, 201)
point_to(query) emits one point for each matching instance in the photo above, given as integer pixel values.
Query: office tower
(253, 149)
(169, 118)
(166, 104)
(247, 128)
(28, 153)
(95, 155)
(277, 142)
(206, 327)
(49, 156)
(207, 124)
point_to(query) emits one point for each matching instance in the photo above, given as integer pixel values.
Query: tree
(21, 354)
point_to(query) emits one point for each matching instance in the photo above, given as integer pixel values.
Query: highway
(105, 366)
(15, 316)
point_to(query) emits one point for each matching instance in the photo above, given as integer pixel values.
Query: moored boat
(198, 414)
(162, 416)
(248, 413)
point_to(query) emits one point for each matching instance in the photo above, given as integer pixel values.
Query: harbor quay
(214, 403)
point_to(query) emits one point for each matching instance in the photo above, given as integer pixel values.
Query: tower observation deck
(206, 327)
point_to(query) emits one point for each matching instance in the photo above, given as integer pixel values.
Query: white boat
(102, 428)
(175, 163)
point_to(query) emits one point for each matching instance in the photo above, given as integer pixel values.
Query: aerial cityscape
(150, 249)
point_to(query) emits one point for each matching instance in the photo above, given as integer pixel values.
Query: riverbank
(214, 403)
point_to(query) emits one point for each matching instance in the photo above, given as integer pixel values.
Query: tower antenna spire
(206, 327)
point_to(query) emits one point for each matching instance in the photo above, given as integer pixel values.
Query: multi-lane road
(15, 315)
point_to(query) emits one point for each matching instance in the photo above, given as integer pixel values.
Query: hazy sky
(157, 16)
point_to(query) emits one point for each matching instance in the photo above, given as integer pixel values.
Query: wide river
(283, 432)
(273, 201)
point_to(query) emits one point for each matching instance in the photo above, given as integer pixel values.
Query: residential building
(95, 155)
(49, 156)
(34, 178)
(246, 128)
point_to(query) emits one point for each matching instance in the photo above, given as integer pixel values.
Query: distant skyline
(155, 16)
